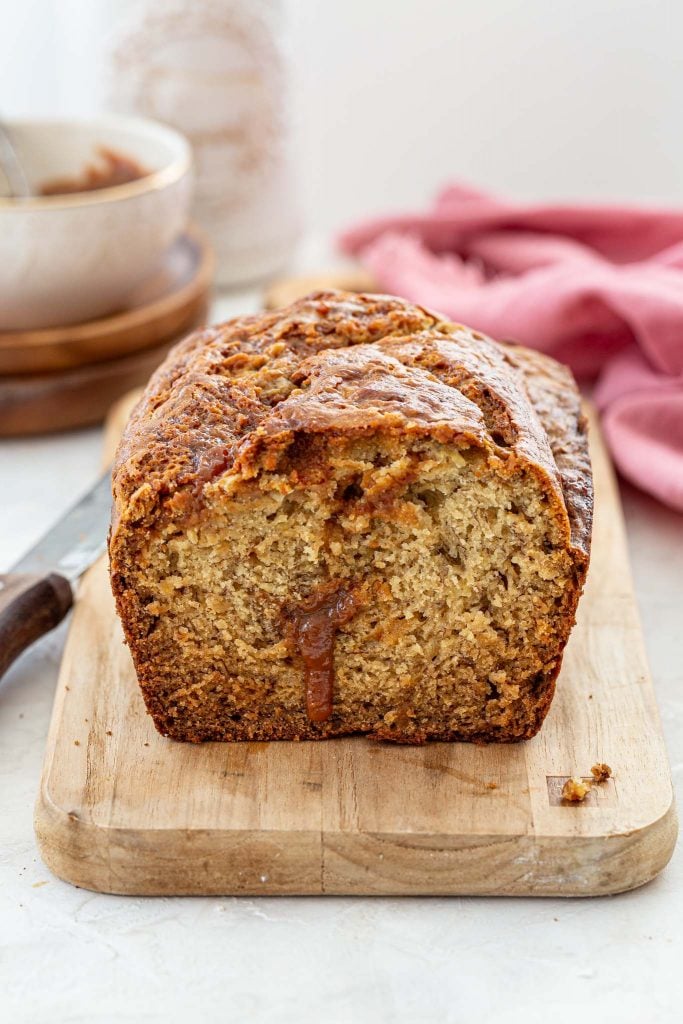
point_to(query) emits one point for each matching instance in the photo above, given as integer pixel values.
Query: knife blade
(76, 540)
(37, 592)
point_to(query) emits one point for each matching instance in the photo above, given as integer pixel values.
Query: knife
(39, 590)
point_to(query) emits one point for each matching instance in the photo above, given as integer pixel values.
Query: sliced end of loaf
(434, 578)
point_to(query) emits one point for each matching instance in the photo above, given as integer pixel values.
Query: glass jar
(217, 70)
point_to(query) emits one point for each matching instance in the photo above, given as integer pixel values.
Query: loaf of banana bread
(350, 516)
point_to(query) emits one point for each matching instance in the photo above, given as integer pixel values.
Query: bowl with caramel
(101, 203)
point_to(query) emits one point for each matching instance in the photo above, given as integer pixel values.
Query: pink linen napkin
(600, 288)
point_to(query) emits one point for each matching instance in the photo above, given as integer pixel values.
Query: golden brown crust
(224, 390)
(338, 364)
(552, 392)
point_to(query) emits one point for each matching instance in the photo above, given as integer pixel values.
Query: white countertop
(67, 955)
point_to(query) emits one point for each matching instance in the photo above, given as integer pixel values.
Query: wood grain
(123, 810)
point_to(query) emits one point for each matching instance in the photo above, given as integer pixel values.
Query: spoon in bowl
(11, 169)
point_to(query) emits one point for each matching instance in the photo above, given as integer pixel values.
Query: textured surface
(379, 959)
(121, 809)
(225, 389)
(360, 444)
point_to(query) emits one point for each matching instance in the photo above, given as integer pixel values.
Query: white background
(553, 98)
(539, 98)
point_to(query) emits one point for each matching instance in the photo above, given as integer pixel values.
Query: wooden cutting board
(123, 810)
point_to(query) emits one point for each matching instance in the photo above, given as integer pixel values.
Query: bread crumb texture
(350, 516)
(575, 790)
(601, 772)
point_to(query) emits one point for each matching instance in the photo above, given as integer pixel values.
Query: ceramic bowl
(69, 258)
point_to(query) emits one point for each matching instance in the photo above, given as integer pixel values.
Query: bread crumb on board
(601, 772)
(575, 790)
(491, 785)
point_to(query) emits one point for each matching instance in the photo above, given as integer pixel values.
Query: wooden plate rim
(120, 322)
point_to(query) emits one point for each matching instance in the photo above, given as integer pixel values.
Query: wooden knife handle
(30, 606)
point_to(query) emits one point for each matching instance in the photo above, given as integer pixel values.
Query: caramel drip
(114, 169)
(315, 628)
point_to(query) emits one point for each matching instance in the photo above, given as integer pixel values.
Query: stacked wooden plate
(66, 377)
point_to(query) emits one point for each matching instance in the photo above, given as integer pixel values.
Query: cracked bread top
(339, 364)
